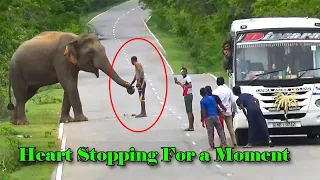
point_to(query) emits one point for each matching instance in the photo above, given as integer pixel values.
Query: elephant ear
(71, 52)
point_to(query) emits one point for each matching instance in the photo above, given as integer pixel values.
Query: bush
(23, 19)
(203, 25)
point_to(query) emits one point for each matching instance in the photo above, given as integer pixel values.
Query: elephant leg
(21, 94)
(69, 85)
(65, 110)
(31, 92)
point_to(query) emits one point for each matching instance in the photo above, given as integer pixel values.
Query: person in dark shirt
(258, 129)
(219, 103)
(209, 116)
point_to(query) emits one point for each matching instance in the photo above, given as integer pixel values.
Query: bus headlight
(317, 102)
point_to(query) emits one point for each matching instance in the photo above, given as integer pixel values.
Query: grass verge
(176, 54)
(43, 114)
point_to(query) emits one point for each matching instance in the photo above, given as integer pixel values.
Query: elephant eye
(90, 52)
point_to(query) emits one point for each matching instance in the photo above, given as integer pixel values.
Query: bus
(278, 61)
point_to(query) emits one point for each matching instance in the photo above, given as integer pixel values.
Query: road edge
(215, 78)
(108, 10)
(59, 169)
(145, 23)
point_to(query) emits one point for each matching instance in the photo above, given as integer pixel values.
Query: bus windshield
(288, 58)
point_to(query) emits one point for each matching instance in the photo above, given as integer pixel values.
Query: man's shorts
(188, 102)
(142, 90)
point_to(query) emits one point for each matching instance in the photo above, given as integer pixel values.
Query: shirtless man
(141, 85)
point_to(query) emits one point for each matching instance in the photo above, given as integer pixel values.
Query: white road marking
(128, 12)
(158, 97)
(170, 109)
(155, 93)
(187, 134)
(218, 166)
(214, 77)
(200, 150)
(194, 143)
(160, 46)
(165, 107)
(161, 102)
(173, 112)
(179, 117)
(153, 89)
(61, 125)
(60, 165)
(108, 10)
(132, 9)
(149, 80)
(150, 84)
(124, 14)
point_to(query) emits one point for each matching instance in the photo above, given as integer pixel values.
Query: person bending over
(258, 129)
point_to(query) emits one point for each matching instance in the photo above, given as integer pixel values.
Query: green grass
(43, 115)
(176, 54)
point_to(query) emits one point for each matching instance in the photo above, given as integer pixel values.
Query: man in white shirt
(188, 97)
(228, 101)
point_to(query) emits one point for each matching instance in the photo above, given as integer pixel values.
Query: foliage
(203, 25)
(41, 133)
(20, 20)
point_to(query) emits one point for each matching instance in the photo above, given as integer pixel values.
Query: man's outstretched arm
(134, 79)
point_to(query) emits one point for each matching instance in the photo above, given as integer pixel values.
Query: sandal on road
(189, 129)
(247, 146)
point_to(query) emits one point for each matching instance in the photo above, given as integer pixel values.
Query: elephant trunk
(105, 67)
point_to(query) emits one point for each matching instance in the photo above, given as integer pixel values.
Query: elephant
(57, 57)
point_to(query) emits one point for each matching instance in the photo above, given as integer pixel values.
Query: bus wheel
(241, 136)
(312, 136)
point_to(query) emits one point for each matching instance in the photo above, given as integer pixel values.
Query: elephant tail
(10, 105)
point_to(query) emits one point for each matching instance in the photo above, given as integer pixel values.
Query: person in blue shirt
(209, 116)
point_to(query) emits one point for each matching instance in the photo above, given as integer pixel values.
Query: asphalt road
(105, 133)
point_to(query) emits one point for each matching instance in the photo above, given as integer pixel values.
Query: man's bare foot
(189, 129)
(141, 115)
(223, 146)
(211, 149)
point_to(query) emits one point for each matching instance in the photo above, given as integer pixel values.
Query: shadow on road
(295, 141)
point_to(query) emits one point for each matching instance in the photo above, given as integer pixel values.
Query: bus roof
(275, 22)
